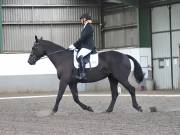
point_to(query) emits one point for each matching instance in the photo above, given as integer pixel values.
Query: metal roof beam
(112, 1)
(129, 2)
(153, 3)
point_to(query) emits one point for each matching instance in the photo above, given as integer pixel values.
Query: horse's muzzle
(31, 63)
(32, 59)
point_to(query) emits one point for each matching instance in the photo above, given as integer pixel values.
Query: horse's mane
(51, 44)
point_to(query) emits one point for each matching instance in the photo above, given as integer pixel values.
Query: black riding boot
(82, 73)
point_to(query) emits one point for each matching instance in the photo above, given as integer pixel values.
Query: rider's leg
(82, 73)
(82, 53)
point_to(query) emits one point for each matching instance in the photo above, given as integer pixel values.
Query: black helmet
(86, 16)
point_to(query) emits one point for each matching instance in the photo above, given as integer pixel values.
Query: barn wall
(165, 46)
(120, 27)
(56, 20)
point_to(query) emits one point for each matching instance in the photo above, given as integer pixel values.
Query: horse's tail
(138, 73)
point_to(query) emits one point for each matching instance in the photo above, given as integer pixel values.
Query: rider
(85, 44)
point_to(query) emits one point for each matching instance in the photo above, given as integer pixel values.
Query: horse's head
(37, 51)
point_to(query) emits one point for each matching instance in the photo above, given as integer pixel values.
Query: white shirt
(85, 24)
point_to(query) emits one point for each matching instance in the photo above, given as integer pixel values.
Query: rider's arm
(86, 33)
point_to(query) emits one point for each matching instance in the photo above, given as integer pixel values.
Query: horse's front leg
(62, 87)
(74, 91)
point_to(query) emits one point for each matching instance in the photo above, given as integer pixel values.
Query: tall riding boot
(82, 73)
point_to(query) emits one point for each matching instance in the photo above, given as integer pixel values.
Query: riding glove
(72, 47)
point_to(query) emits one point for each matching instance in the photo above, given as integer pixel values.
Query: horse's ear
(36, 38)
(41, 38)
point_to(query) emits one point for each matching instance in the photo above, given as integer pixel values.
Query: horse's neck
(54, 55)
(54, 60)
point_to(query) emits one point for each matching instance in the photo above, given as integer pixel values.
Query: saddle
(91, 59)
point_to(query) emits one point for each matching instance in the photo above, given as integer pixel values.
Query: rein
(53, 53)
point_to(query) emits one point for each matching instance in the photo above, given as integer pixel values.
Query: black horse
(114, 65)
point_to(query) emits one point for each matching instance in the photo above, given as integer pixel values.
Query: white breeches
(83, 52)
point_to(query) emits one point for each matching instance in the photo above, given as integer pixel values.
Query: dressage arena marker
(85, 95)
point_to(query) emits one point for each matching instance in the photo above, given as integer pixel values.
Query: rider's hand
(72, 47)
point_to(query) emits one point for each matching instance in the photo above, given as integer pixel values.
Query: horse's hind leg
(114, 92)
(74, 92)
(131, 90)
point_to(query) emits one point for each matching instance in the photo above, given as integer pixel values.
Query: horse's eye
(34, 48)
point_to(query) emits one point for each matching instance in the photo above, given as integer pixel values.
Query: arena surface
(29, 116)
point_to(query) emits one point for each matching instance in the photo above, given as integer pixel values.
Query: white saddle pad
(93, 61)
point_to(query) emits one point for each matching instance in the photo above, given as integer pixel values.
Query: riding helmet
(86, 16)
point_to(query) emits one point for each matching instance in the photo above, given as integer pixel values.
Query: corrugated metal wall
(161, 54)
(165, 46)
(55, 20)
(120, 27)
(47, 2)
(175, 11)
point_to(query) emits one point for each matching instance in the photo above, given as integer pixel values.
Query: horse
(112, 65)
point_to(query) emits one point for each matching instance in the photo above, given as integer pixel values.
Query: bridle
(49, 54)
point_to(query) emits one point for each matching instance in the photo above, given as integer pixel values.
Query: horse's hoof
(108, 110)
(90, 109)
(138, 108)
(54, 110)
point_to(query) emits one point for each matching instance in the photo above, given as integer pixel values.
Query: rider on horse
(85, 44)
